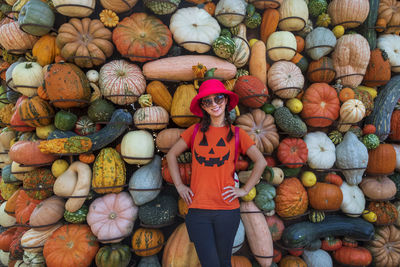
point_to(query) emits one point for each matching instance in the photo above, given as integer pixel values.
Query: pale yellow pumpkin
(75, 8)
(281, 45)
(293, 15)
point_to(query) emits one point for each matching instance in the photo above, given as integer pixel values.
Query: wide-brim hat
(209, 87)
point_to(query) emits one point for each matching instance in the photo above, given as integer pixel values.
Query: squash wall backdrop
(94, 93)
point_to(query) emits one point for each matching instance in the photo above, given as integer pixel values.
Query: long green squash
(384, 105)
(368, 28)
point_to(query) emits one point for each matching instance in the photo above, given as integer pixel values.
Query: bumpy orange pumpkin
(291, 198)
(386, 212)
(45, 50)
(24, 207)
(378, 71)
(147, 242)
(251, 90)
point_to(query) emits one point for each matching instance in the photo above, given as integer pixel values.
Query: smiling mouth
(211, 161)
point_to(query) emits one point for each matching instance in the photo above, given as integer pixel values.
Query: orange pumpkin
(357, 256)
(251, 90)
(87, 158)
(378, 71)
(323, 196)
(269, 23)
(386, 212)
(147, 242)
(35, 111)
(6, 238)
(300, 43)
(292, 152)
(185, 171)
(333, 178)
(348, 13)
(389, 10)
(28, 153)
(381, 160)
(395, 125)
(24, 207)
(321, 70)
(291, 261)
(45, 50)
(240, 261)
(291, 198)
(346, 94)
(320, 100)
(71, 245)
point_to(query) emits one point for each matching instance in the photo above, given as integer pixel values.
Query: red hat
(210, 87)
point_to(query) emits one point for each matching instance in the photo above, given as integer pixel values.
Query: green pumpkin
(100, 110)
(85, 126)
(317, 7)
(224, 46)
(241, 72)
(36, 18)
(115, 255)
(253, 18)
(395, 177)
(64, 120)
(7, 176)
(4, 8)
(290, 172)
(371, 141)
(264, 199)
(150, 261)
(316, 216)
(161, 210)
(162, 7)
(336, 137)
(78, 216)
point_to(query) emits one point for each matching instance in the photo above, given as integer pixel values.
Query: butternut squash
(258, 61)
(269, 23)
(180, 68)
(75, 181)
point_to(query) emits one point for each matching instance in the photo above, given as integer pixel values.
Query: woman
(212, 197)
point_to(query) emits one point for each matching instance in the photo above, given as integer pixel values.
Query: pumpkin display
(281, 45)
(14, 40)
(167, 138)
(180, 108)
(293, 15)
(348, 13)
(24, 207)
(324, 196)
(111, 217)
(378, 71)
(75, 8)
(390, 44)
(39, 183)
(285, 79)
(378, 188)
(386, 212)
(147, 242)
(384, 246)
(121, 82)
(389, 11)
(47, 213)
(36, 18)
(70, 245)
(382, 160)
(116, 254)
(261, 128)
(141, 30)
(33, 240)
(291, 198)
(292, 152)
(320, 42)
(27, 77)
(320, 105)
(85, 48)
(251, 90)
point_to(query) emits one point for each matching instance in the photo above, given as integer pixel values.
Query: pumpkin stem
(112, 215)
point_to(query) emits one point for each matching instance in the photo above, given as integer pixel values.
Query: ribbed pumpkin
(108, 171)
(386, 212)
(27, 77)
(251, 90)
(348, 13)
(70, 245)
(6, 238)
(35, 111)
(281, 45)
(180, 109)
(185, 171)
(353, 256)
(292, 261)
(324, 196)
(269, 23)
(121, 82)
(147, 242)
(366, 98)
(395, 125)
(24, 207)
(33, 240)
(292, 152)
(381, 160)
(293, 15)
(113, 255)
(160, 94)
(285, 79)
(39, 183)
(291, 198)
(389, 11)
(266, 4)
(321, 71)
(167, 138)
(379, 70)
(320, 100)
(149, 116)
(66, 86)
(45, 50)
(47, 213)
(118, 6)
(141, 37)
(351, 111)
(14, 40)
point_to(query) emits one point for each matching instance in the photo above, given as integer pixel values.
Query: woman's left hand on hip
(232, 192)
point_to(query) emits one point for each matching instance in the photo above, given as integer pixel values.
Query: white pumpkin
(4, 257)
(391, 44)
(285, 74)
(397, 149)
(239, 238)
(317, 258)
(5, 219)
(321, 150)
(4, 157)
(6, 136)
(242, 47)
(293, 15)
(230, 12)
(33, 240)
(281, 45)
(27, 77)
(194, 29)
(93, 76)
(75, 8)
(137, 147)
(353, 202)
(351, 111)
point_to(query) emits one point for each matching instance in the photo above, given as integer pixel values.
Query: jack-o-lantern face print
(212, 154)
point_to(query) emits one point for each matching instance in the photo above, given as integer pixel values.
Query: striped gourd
(368, 28)
(242, 47)
(316, 216)
(153, 118)
(121, 82)
(33, 240)
(383, 109)
(13, 38)
(108, 171)
(353, 110)
(147, 242)
(35, 111)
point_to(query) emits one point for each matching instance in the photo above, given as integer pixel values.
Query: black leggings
(213, 233)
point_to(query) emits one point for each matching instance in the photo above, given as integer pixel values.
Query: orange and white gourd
(351, 111)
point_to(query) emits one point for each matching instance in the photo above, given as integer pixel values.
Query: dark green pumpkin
(78, 216)
(368, 27)
(264, 199)
(289, 123)
(371, 141)
(253, 18)
(36, 18)
(290, 172)
(115, 255)
(100, 110)
(149, 261)
(395, 177)
(161, 210)
(65, 121)
(162, 7)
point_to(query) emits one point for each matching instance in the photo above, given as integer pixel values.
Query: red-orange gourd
(292, 152)
(323, 196)
(378, 71)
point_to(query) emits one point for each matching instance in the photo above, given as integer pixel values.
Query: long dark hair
(206, 122)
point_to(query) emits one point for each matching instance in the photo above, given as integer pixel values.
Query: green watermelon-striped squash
(316, 216)
(35, 111)
(224, 46)
(161, 210)
(78, 216)
(113, 255)
(368, 28)
(38, 183)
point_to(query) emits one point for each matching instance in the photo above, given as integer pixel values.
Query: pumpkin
(109, 172)
(378, 188)
(115, 254)
(348, 13)
(28, 153)
(149, 116)
(33, 240)
(394, 125)
(292, 152)
(75, 8)
(351, 66)
(35, 111)
(85, 49)
(390, 44)
(317, 258)
(331, 243)
(121, 82)
(242, 48)
(251, 90)
(180, 109)
(269, 23)
(150, 260)
(14, 40)
(320, 105)
(185, 171)
(289, 261)
(45, 50)
(36, 18)
(16, 123)
(27, 77)
(293, 15)
(7, 218)
(66, 86)
(118, 6)
(111, 217)
(137, 147)
(333, 178)
(83, 125)
(39, 183)
(291, 198)
(167, 138)
(7, 190)
(357, 256)
(384, 246)
(281, 45)
(353, 203)
(140, 31)
(70, 245)
(261, 128)
(351, 111)
(47, 213)
(24, 207)
(386, 212)
(382, 160)
(147, 242)
(230, 12)
(194, 29)
(346, 94)
(276, 226)
(6, 238)
(389, 11)
(321, 71)
(323, 196)
(320, 42)
(16, 250)
(179, 251)
(240, 261)
(378, 71)
(285, 79)
(321, 150)
(160, 94)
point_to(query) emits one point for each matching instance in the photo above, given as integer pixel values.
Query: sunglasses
(208, 102)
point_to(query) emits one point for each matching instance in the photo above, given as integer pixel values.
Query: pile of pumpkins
(93, 95)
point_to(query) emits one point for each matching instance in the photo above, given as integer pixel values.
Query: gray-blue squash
(320, 42)
(150, 261)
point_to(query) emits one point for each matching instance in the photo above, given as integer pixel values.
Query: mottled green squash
(161, 210)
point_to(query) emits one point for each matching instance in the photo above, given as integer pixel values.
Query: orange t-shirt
(213, 166)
